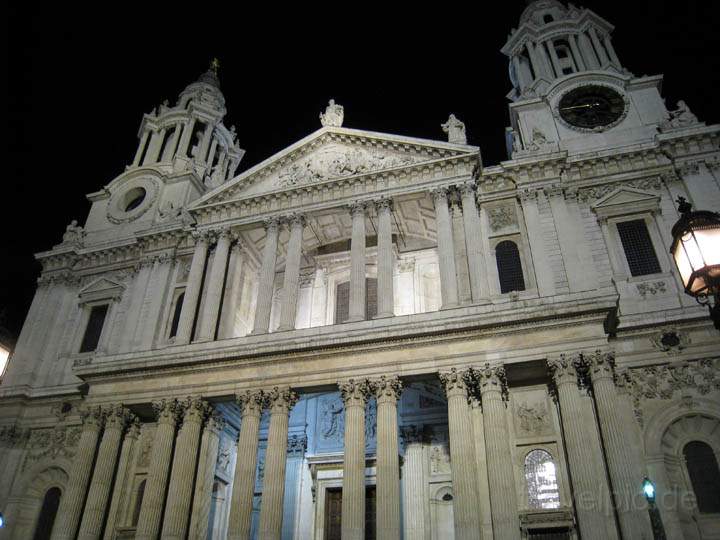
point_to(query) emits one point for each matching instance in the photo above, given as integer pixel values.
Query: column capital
(201, 237)
(355, 393)
(554, 191)
(215, 422)
(271, 223)
(167, 411)
(467, 189)
(134, 427)
(387, 389)
(383, 204)
(491, 379)
(564, 369)
(280, 399)
(224, 233)
(117, 416)
(358, 208)
(296, 219)
(454, 382)
(93, 418)
(600, 364)
(251, 403)
(527, 195)
(439, 193)
(296, 445)
(194, 409)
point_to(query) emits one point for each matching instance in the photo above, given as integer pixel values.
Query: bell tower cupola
(191, 136)
(554, 41)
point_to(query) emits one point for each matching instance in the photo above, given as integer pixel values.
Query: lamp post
(696, 251)
(648, 489)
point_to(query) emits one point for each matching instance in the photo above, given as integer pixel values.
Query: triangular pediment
(100, 289)
(332, 153)
(624, 200)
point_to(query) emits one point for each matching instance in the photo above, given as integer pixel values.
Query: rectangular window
(342, 300)
(94, 327)
(638, 247)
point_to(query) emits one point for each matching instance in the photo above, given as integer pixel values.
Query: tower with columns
(370, 335)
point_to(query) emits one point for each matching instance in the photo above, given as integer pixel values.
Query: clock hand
(584, 106)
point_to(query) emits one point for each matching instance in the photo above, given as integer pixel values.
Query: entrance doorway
(333, 513)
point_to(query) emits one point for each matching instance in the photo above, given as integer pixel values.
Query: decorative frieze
(670, 340)
(651, 288)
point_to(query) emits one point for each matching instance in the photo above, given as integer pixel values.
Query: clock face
(591, 107)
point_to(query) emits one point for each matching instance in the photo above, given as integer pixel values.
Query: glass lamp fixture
(648, 489)
(696, 251)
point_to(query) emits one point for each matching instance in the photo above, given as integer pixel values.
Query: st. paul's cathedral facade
(377, 336)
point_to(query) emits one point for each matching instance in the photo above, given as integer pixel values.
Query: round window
(133, 199)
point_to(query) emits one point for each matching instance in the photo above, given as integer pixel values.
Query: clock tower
(570, 91)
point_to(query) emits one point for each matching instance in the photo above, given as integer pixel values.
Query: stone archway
(666, 436)
(23, 509)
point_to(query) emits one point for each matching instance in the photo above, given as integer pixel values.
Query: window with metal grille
(704, 475)
(94, 327)
(509, 267)
(638, 247)
(342, 300)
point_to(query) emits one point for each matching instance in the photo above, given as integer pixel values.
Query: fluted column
(577, 55)
(71, 503)
(233, 292)
(446, 255)
(155, 486)
(473, 241)
(279, 401)
(267, 277)
(357, 263)
(416, 520)
(385, 292)
(127, 455)
(481, 466)
(626, 481)
(116, 418)
(292, 273)
(211, 308)
(387, 392)
(182, 476)
(604, 60)
(591, 60)
(503, 497)
(462, 456)
(200, 514)
(355, 395)
(587, 491)
(192, 290)
(251, 405)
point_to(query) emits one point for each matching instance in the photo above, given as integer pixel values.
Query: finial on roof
(215, 65)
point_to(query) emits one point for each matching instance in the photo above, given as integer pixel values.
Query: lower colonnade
(178, 490)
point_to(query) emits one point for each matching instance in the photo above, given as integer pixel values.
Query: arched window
(138, 503)
(176, 315)
(509, 267)
(48, 512)
(704, 475)
(547, 18)
(541, 478)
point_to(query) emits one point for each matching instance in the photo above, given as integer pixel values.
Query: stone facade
(467, 351)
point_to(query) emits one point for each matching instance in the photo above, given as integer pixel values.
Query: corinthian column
(387, 392)
(154, 498)
(416, 520)
(182, 476)
(588, 493)
(357, 263)
(473, 242)
(483, 488)
(200, 515)
(92, 520)
(211, 309)
(462, 456)
(251, 404)
(267, 277)
(355, 395)
(446, 255)
(127, 455)
(503, 497)
(280, 401)
(385, 296)
(292, 273)
(626, 481)
(192, 290)
(71, 503)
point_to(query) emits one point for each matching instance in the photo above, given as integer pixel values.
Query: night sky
(79, 80)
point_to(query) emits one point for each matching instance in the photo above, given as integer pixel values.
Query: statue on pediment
(333, 115)
(73, 233)
(682, 116)
(455, 130)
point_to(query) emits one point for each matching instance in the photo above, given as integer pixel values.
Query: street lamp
(648, 489)
(696, 251)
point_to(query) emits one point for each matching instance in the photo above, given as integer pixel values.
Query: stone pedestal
(279, 401)
(155, 486)
(71, 503)
(462, 456)
(387, 392)
(355, 395)
(251, 404)
(97, 499)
